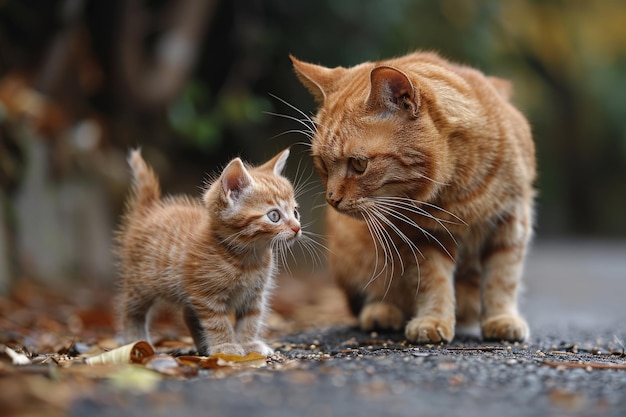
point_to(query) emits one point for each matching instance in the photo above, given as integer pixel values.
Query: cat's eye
(296, 214)
(273, 215)
(359, 165)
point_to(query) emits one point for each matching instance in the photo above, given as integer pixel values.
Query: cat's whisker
(393, 244)
(412, 246)
(413, 205)
(445, 184)
(302, 132)
(418, 210)
(377, 229)
(426, 233)
(390, 244)
(319, 206)
(374, 236)
(285, 102)
(295, 119)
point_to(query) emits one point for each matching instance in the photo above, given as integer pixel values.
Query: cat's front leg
(503, 260)
(211, 329)
(435, 311)
(249, 324)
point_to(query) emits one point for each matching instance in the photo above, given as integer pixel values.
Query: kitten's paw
(228, 348)
(429, 330)
(258, 347)
(382, 316)
(505, 327)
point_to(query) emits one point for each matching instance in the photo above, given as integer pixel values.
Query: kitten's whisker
(312, 248)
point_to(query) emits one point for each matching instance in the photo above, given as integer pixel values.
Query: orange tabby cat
(214, 258)
(429, 170)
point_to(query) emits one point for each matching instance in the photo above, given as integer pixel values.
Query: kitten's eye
(296, 214)
(273, 215)
(359, 165)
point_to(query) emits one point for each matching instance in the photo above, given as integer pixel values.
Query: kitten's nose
(295, 228)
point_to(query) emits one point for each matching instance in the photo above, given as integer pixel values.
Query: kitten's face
(259, 203)
(373, 138)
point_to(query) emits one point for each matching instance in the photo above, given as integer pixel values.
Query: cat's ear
(277, 163)
(235, 178)
(320, 81)
(392, 90)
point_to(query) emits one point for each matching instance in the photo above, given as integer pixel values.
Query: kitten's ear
(320, 81)
(392, 90)
(277, 163)
(235, 178)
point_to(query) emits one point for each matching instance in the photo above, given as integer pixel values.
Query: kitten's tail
(146, 189)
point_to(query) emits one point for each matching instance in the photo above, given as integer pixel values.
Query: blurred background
(195, 83)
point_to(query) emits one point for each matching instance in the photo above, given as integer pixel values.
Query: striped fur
(214, 258)
(429, 169)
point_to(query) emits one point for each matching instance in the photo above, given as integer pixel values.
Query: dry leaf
(135, 352)
(251, 360)
(16, 358)
(137, 378)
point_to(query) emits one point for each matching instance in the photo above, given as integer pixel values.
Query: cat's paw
(511, 328)
(382, 316)
(228, 349)
(258, 347)
(429, 330)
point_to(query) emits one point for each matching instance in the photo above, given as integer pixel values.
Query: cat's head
(254, 205)
(376, 135)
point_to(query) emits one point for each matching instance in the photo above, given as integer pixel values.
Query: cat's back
(165, 223)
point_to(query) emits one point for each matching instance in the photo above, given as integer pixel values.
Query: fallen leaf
(131, 353)
(135, 378)
(16, 358)
(252, 359)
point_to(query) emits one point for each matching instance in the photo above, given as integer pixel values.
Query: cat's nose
(333, 201)
(295, 228)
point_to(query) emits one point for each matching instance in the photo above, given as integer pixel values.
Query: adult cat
(429, 169)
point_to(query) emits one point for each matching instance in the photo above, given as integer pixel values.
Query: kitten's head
(376, 135)
(254, 205)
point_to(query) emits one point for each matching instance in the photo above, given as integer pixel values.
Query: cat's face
(374, 136)
(258, 204)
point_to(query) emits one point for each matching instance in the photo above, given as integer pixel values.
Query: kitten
(428, 169)
(214, 258)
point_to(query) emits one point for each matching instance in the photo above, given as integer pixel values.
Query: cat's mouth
(355, 212)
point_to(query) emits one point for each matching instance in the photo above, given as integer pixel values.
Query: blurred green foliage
(191, 116)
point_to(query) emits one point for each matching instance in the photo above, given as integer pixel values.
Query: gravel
(343, 372)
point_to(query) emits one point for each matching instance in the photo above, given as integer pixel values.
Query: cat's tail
(146, 188)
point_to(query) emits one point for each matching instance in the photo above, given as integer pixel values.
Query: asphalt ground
(573, 364)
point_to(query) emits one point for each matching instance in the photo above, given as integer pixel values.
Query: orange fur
(440, 165)
(214, 258)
